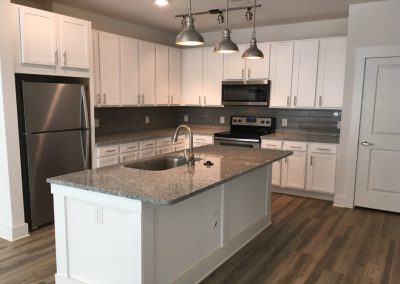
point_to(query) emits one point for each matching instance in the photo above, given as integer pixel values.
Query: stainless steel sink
(160, 164)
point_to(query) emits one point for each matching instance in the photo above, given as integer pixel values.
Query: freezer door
(51, 106)
(49, 155)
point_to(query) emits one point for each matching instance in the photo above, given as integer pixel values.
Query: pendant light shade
(253, 52)
(226, 45)
(189, 36)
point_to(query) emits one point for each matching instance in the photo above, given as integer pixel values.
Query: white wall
(371, 24)
(326, 28)
(12, 223)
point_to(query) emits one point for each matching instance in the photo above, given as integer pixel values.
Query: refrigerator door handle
(85, 108)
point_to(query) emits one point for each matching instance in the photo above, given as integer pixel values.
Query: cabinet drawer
(295, 146)
(271, 144)
(179, 147)
(203, 139)
(148, 144)
(181, 139)
(323, 148)
(147, 153)
(108, 161)
(108, 150)
(130, 157)
(164, 141)
(128, 147)
(164, 150)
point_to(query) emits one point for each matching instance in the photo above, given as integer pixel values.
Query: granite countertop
(158, 133)
(176, 184)
(303, 137)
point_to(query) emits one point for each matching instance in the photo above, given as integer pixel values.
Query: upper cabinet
(147, 74)
(259, 68)
(213, 65)
(129, 71)
(174, 76)
(48, 39)
(192, 76)
(281, 66)
(234, 65)
(331, 68)
(162, 78)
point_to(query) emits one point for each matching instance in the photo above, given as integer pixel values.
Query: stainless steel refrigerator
(55, 140)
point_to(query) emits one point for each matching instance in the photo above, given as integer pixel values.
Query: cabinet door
(147, 74)
(213, 64)
(109, 69)
(235, 65)
(74, 42)
(305, 66)
(96, 66)
(321, 172)
(38, 37)
(294, 170)
(162, 70)
(129, 71)
(174, 76)
(192, 76)
(281, 73)
(331, 68)
(107, 161)
(276, 173)
(259, 68)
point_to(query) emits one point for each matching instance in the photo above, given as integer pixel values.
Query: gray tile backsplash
(122, 120)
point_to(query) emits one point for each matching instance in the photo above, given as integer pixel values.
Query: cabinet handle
(110, 151)
(131, 147)
(98, 98)
(168, 99)
(172, 99)
(242, 73)
(104, 98)
(205, 100)
(311, 160)
(143, 99)
(56, 57)
(323, 149)
(287, 100)
(295, 101)
(248, 74)
(138, 99)
(65, 57)
(199, 100)
(320, 100)
(295, 147)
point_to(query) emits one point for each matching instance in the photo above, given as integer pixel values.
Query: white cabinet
(50, 39)
(129, 71)
(305, 65)
(321, 167)
(162, 71)
(174, 76)
(96, 66)
(331, 68)
(147, 74)
(276, 167)
(109, 69)
(294, 166)
(192, 76)
(235, 65)
(281, 66)
(213, 64)
(201, 140)
(259, 68)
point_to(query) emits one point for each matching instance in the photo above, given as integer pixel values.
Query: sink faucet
(188, 156)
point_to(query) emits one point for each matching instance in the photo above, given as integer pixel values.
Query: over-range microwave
(250, 92)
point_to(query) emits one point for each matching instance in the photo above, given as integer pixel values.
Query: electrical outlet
(284, 122)
(147, 119)
(222, 119)
(186, 118)
(339, 124)
(98, 215)
(96, 122)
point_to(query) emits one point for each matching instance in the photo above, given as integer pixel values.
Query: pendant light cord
(254, 19)
(227, 14)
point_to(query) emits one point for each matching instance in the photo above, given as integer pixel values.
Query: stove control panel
(251, 121)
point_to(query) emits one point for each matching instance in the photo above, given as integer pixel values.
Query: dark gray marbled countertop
(176, 184)
(303, 137)
(158, 133)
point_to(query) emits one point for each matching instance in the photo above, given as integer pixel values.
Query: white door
(294, 170)
(281, 73)
(38, 37)
(129, 71)
(331, 67)
(378, 165)
(259, 68)
(109, 69)
(74, 42)
(235, 65)
(321, 172)
(174, 76)
(305, 66)
(147, 65)
(213, 65)
(162, 70)
(192, 76)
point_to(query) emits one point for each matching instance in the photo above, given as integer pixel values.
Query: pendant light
(189, 36)
(253, 52)
(226, 45)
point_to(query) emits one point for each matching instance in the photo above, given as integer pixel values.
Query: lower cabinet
(276, 167)
(201, 140)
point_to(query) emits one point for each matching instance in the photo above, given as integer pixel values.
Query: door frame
(351, 122)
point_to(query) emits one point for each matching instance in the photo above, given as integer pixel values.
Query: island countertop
(176, 184)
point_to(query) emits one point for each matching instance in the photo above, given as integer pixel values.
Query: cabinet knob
(366, 144)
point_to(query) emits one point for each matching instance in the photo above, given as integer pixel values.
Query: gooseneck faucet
(188, 156)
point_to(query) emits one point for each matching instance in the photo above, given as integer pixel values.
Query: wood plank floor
(309, 242)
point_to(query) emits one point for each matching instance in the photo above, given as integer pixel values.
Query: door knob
(366, 143)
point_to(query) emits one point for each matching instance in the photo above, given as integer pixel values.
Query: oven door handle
(236, 139)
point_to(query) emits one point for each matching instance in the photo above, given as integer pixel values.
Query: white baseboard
(303, 193)
(14, 233)
(61, 279)
(341, 201)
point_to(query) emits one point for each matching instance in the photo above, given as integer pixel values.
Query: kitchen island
(124, 225)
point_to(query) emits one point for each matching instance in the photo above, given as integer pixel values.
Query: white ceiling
(145, 12)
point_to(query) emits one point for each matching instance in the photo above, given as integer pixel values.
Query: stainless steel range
(246, 131)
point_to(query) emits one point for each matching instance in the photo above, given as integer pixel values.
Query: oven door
(246, 143)
(246, 92)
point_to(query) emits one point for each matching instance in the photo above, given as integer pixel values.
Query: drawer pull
(131, 147)
(323, 149)
(311, 160)
(295, 147)
(200, 139)
(110, 151)
(271, 145)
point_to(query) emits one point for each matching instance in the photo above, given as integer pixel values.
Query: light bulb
(162, 3)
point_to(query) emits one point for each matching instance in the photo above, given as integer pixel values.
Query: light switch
(186, 118)
(98, 215)
(222, 119)
(96, 122)
(147, 119)
(284, 122)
